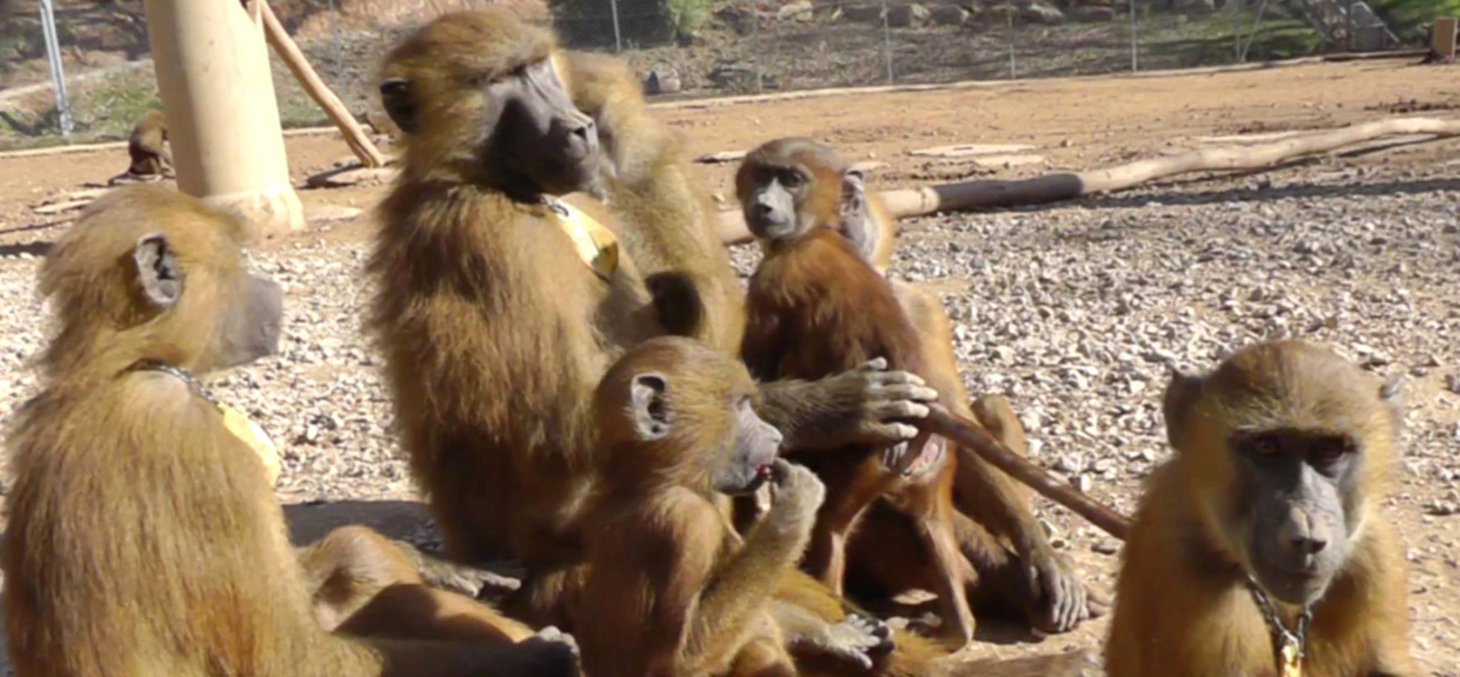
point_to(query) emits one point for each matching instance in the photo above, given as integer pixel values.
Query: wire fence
(97, 51)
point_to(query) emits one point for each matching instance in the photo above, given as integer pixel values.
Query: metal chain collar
(1283, 637)
(193, 384)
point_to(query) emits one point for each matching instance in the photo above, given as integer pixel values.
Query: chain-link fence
(97, 49)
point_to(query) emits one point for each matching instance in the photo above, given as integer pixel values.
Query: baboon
(1015, 569)
(143, 536)
(686, 594)
(497, 301)
(1258, 548)
(814, 307)
(666, 221)
(148, 147)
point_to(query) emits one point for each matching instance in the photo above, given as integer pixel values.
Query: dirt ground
(1072, 124)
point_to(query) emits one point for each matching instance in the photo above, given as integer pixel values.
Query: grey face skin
(754, 443)
(536, 141)
(753, 452)
(1300, 523)
(770, 208)
(251, 323)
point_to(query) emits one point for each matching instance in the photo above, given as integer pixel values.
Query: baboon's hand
(876, 404)
(915, 459)
(559, 647)
(795, 495)
(859, 639)
(1061, 601)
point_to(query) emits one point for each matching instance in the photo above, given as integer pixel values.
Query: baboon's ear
(651, 412)
(395, 97)
(157, 271)
(1181, 393)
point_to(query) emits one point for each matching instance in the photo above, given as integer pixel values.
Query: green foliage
(589, 23)
(1411, 19)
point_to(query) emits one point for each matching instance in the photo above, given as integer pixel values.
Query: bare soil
(1239, 255)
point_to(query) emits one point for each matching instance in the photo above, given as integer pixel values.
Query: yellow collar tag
(595, 244)
(255, 437)
(1292, 661)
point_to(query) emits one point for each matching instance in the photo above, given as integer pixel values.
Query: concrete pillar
(212, 70)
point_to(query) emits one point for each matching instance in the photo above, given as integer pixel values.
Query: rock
(1194, 6)
(326, 213)
(950, 15)
(1040, 13)
(735, 75)
(908, 16)
(737, 17)
(862, 13)
(797, 11)
(662, 82)
(1092, 14)
(998, 15)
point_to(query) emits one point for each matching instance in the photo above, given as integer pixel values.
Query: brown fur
(148, 148)
(494, 331)
(815, 307)
(1003, 540)
(143, 535)
(495, 334)
(666, 220)
(674, 590)
(1181, 605)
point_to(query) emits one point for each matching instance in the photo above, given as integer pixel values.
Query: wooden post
(1442, 39)
(355, 137)
(223, 123)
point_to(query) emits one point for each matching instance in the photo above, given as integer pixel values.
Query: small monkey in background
(1259, 549)
(148, 148)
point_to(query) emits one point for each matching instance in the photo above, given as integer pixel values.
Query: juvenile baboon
(686, 595)
(666, 221)
(1014, 567)
(814, 307)
(148, 147)
(143, 536)
(487, 311)
(1259, 548)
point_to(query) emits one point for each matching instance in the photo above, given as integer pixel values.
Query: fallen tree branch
(968, 434)
(972, 195)
(355, 136)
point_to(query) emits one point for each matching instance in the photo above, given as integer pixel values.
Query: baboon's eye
(1331, 450)
(792, 179)
(1263, 445)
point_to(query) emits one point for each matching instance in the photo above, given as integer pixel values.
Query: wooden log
(1068, 185)
(968, 434)
(974, 195)
(355, 136)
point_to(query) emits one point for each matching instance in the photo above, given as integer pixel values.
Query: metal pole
(618, 45)
(1134, 40)
(1009, 38)
(755, 46)
(58, 75)
(1252, 35)
(339, 49)
(887, 40)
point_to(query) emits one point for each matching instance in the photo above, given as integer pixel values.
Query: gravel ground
(1077, 312)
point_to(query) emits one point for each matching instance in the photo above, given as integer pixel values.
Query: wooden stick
(973, 195)
(355, 137)
(972, 435)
